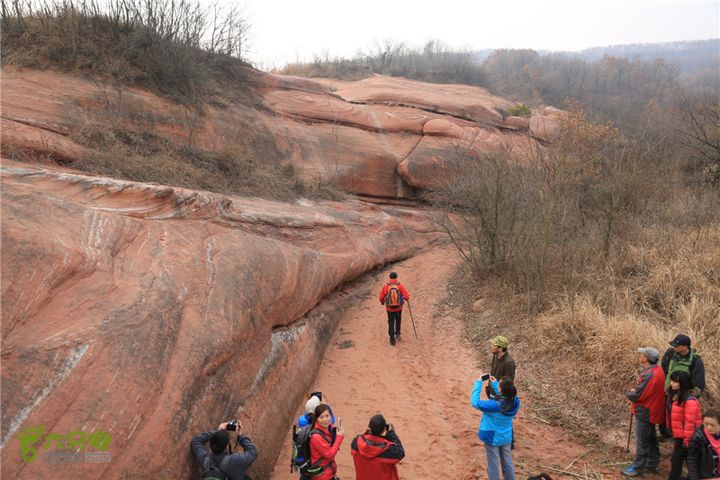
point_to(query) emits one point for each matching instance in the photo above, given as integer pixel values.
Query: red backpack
(393, 297)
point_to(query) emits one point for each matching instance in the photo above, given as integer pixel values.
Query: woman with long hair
(496, 429)
(683, 417)
(325, 440)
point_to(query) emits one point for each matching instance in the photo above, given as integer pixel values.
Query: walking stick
(627, 449)
(412, 320)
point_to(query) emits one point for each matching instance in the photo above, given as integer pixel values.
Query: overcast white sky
(286, 30)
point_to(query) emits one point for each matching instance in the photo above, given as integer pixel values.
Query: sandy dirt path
(421, 386)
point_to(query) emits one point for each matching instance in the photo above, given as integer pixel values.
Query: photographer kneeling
(220, 462)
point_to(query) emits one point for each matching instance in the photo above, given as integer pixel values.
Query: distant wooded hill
(689, 57)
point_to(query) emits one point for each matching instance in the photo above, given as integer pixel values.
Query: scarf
(715, 446)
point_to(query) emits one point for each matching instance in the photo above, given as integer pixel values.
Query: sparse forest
(609, 237)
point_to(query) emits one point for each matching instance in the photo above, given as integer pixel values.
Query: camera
(485, 376)
(317, 394)
(232, 425)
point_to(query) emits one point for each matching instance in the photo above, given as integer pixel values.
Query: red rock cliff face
(154, 313)
(381, 137)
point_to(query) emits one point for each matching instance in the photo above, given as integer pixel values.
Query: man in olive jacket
(503, 366)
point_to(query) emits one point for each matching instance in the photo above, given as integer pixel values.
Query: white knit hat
(311, 404)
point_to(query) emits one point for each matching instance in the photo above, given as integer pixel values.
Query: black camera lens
(232, 425)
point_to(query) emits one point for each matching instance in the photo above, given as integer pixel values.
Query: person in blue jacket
(496, 426)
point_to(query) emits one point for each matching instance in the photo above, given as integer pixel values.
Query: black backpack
(211, 471)
(300, 461)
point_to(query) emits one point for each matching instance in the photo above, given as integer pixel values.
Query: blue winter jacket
(496, 424)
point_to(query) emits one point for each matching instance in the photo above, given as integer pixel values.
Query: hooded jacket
(496, 424)
(703, 461)
(376, 457)
(384, 292)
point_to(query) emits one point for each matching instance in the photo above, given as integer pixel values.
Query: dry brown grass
(579, 357)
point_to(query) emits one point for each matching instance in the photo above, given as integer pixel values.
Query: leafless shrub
(172, 46)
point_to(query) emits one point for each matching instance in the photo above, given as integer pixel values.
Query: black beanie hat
(393, 274)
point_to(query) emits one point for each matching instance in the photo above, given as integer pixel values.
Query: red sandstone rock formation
(151, 312)
(381, 137)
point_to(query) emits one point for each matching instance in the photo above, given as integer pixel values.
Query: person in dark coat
(233, 465)
(503, 365)
(704, 448)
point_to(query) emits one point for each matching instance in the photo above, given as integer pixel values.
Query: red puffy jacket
(384, 292)
(684, 419)
(322, 453)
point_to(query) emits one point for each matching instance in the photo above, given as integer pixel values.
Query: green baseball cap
(500, 341)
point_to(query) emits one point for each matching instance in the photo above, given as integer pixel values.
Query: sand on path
(422, 386)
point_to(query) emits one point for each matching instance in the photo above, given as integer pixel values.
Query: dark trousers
(677, 459)
(647, 450)
(394, 319)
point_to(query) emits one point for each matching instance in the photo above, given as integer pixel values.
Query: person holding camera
(496, 426)
(377, 451)
(220, 461)
(325, 441)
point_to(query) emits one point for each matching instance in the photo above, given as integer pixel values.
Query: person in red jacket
(682, 417)
(325, 442)
(648, 408)
(393, 295)
(377, 451)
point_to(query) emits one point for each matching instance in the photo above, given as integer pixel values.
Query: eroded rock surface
(361, 135)
(153, 312)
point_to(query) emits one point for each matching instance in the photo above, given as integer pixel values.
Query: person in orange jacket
(393, 295)
(682, 418)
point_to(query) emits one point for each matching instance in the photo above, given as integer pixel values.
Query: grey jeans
(499, 457)
(647, 451)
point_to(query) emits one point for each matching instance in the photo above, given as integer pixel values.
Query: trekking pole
(627, 449)
(412, 320)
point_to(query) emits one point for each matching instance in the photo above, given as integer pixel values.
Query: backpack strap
(322, 434)
(209, 463)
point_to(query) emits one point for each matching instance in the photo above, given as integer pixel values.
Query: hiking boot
(631, 472)
(392, 340)
(397, 336)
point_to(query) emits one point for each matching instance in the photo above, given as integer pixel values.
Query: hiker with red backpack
(394, 295)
